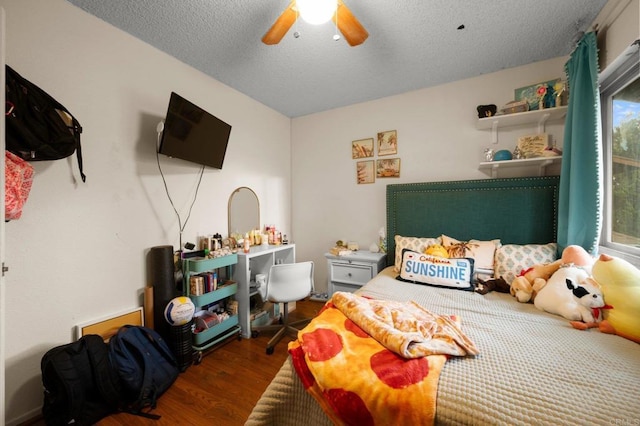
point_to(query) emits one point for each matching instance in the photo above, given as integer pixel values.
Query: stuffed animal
(497, 284)
(437, 250)
(531, 281)
(576, 255)
(620, 282)
(569, 293)
(528, 284)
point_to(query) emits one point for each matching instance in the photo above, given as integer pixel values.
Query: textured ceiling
(412, 44)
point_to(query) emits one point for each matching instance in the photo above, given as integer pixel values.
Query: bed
(532, 367)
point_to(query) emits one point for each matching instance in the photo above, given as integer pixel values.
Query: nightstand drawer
(351, 273)
(349, 288)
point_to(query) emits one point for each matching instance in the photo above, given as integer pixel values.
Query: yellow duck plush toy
(620, 283)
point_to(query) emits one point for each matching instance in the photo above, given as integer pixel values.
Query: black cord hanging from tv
(181, 226)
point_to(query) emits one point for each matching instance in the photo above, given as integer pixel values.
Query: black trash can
(180, 343)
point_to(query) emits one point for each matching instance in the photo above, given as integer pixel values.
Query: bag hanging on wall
(17, 185)
(38, 127)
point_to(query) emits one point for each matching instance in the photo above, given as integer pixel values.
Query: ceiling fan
(346, 22)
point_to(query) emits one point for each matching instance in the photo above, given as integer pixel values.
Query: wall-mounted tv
(191, 133)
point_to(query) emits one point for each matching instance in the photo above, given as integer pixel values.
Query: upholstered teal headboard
(515, 210)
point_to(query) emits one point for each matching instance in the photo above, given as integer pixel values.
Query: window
(620, 97)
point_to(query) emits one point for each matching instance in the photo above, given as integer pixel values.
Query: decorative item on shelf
(531, 94)
(532, 146)
(486, 110)
(551, 151)
(559, 92)
(541, 92)
(514, 107)
(517, 154)
(353, 246)
(488, 154)
(502, 155)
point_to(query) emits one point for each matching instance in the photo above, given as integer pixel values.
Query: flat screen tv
(191, 133)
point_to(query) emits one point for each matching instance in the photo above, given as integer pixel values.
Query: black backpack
(80, 385)
(38, 127)
(145, 364)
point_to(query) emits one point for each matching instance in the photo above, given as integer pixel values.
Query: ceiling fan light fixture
(316, 12)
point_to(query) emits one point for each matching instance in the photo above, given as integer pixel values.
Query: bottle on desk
(247, 243)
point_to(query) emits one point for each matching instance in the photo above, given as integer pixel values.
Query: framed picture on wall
(365, 172)
(388, 167)
(388, 143)
(362, 148)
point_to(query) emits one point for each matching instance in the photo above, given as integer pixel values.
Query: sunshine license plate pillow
(437, 271)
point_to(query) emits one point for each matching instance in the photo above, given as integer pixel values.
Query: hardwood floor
(224, 387)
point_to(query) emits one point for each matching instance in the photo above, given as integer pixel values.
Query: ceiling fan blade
(349, 26)
(281, 25)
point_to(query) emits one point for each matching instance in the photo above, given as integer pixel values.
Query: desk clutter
(219, 287)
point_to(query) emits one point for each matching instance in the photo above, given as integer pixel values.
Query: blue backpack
(145, 365)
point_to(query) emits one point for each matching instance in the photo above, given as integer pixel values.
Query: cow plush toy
(620, 282)
(570, 293)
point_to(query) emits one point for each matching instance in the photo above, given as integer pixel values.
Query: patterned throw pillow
(411, 243)
(423, 268)
(482, 252)
(511, 259)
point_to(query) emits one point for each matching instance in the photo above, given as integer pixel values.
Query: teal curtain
(579, 208)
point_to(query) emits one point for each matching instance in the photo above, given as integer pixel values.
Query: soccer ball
(179, 311)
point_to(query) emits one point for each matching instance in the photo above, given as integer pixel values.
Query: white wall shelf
(539, 117)
(492, 167)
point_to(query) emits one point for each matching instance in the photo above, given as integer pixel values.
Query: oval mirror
(244, 211)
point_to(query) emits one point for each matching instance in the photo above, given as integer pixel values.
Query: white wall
(437, 140)
(78, 252)
(619, 26)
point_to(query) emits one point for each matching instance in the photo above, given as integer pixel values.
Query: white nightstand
(350, 272)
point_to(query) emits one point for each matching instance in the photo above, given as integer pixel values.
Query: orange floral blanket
(359, 381)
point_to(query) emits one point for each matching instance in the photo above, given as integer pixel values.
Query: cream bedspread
(534, 368)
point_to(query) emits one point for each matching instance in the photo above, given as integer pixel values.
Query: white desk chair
(287, 282)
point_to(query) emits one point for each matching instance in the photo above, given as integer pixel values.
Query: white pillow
(437, 271)
(512, 259)
(411, 243)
